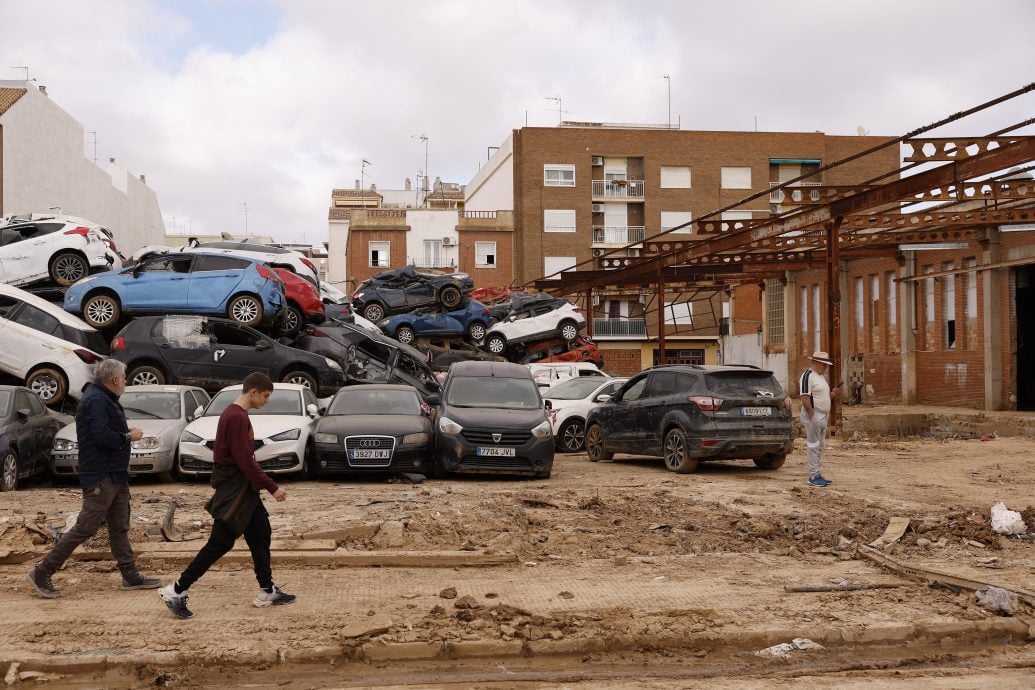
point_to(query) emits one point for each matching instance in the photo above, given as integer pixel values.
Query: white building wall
(44, 166)
(492, 189)
(337, 241)
(747, 349)
(432, 224)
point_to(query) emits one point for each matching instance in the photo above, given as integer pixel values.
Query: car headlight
(289, 435)
(65, 444)
(188, 437)
(325, 438)
(543, 430)
(332, 364)
(145, 443)
(415, 438)
(449, 427)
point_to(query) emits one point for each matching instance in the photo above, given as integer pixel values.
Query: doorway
(1025, 305)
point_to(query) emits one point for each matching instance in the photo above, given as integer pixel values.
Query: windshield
(501, 393)
(287, 402)
(150, 405)
(573, 389)
(5, 402)
(360, 400)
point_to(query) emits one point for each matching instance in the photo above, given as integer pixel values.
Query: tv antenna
(560, 107)
(24, 67)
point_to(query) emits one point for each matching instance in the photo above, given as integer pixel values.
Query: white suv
(35, 247)
(278, 257)
(45, 345)
(535, 321)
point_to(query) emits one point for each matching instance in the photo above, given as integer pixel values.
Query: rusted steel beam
(834, 318)
(999, 190)
(938, 218)
(932, 149)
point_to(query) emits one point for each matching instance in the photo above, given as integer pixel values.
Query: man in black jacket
(105, 440)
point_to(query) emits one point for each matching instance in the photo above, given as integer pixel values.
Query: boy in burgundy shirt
(236, 505)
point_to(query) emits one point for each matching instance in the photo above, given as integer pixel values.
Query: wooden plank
(179, 547)
(356, 559)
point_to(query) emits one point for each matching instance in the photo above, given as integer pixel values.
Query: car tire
(67, 268)
(309, 464)
(568, 330)
(102, 311)
(676, 451)
(596, 444)
(476, 332)
(166, 477)
(496, 344)
(245, 310)
(571, 437)
(49, 384)
(373, 312)
(437, 471)
(450, 296)
(293, 321)
(405, 335)
(303, 378)
(145, 374)
(773, 461)
(9, 470)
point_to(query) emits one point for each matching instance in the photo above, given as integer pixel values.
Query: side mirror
(549, 405)
(196, 413)
(322, 411)
(434, 399)
(312, 409)
(262, 345)
(23, 415)
(603, 398)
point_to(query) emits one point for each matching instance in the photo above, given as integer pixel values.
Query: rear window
(744, 383)
(91, 340)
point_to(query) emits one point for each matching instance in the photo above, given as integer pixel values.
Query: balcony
(432, 261)
(620, 328)
(617, 189)
(794, 194)
(617, 234)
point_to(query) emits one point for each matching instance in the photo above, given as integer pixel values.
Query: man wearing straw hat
(816, 395)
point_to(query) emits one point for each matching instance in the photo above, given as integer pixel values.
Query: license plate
(496, 452)
(756, 411)
(371, 454)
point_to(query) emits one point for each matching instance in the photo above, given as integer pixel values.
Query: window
(815, 318)
(485, 255)
(928, 327)
(553, 264)
(38, 320)
(949, 307)
(671, 219)
(663, 383)
(380, 254)
(557, 175)
(432, 253)
(220, 263)
(635, 389)
(736, 177)
(774, 313)
(803, 317)
(168, 264)
(679, 312)
(556, 220)
(858, 302)
(695, 356)
(892, 299)
(675, 177)
(232, 334)
(971, 289)
(7, 305)
(874, 313)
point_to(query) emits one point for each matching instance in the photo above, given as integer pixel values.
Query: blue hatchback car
(244, 290)
(470, 321)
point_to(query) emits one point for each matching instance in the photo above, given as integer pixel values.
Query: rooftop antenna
(362, 178)
(668, 79)
(94, 145)
(423, 137)
(243, 208)
(861, 132)
(560, 107)
(24, 67)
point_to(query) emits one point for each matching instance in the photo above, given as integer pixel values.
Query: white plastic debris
(997, 600)
(1006, 521)
(783, 651)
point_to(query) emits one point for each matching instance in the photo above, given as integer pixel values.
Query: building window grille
(555, 175)
(774, 313)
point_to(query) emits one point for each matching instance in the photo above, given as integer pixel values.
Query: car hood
(263, 426)
(493, 417)
(150, 427)
(379, 424)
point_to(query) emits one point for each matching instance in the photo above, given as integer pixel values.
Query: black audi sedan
(213, 353)
(374, 428)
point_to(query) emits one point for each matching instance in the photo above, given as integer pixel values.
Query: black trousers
(257, 534)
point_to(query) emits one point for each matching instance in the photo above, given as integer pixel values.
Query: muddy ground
(600, 551)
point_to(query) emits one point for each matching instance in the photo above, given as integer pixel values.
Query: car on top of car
(64, 249)
(535, 321)
(469, 321)
(302, 303)
(404, 289)
(245, 290)
(582, 349)
(277, 257)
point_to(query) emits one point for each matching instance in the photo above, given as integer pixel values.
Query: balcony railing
(432, 261)
(617, 234)
(618, 189)
(620, 327)
(796, 193)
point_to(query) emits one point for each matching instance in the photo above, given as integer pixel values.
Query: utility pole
(668, 79)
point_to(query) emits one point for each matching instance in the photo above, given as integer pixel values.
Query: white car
(278, 257)
(569, 402)
(332, 295)
(282, 427)
(535, 321)
(64, 249)
(46, 346)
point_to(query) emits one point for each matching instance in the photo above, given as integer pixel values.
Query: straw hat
(821, 357)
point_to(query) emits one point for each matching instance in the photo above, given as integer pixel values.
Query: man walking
(816, 397)
(236, 505)
(105, 441)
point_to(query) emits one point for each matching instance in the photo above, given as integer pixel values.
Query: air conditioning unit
(598, 252)
(597, 160)
(598, 208)
(448, 241)
(596, 300)
(635, 252)
(643, 299)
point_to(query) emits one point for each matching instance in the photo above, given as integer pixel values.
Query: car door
(32, 333)
(17, 342)
(184, 342)
(160, 284)
(213, 280)
(663, 392)
(238, 351)
(30, 431)
(12, 254)
(621, 422)
(37, 247)
(419, 292)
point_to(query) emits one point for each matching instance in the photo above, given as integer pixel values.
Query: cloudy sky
(274, 103)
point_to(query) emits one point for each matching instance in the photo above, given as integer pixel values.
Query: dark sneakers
(134, 580)
(177, 603)
(819, 481)
(274, 598)
(42, 584)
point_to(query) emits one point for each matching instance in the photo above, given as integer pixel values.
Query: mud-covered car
(522, 300)
(469, 321)
(404, 289)
(689, 413)
(582, 349)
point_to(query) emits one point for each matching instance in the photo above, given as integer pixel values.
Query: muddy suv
(690, 413)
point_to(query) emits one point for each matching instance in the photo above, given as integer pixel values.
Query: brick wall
(357, 253)
(620, 361)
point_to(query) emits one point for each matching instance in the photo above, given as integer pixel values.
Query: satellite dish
(860, 131)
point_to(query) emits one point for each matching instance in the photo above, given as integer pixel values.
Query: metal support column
(834, 318)
(589, 312)
(661, 316)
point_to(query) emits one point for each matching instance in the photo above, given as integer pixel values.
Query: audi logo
(369, 443)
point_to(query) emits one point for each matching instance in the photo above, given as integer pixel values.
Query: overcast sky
(275, 103)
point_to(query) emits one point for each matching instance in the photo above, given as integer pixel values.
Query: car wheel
(245, 310)
(144, 375)
(596, 447)
(292, 323)
(571, 437)
(450, 296)
(302, 378)
(309, 463)
(568, 330)
(476, 332)
(405, 335)
(373, 312)
(67, 268)
(49, 384)
(496, 344)
(166, 477)
(102, 311)
(677, 452)
(773, 461)
(9, 471)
